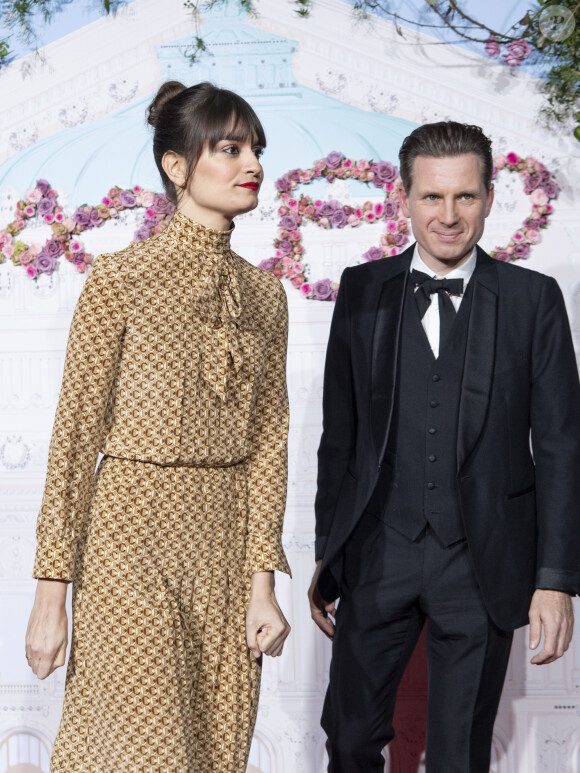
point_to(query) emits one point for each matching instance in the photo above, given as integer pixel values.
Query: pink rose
(532, 236)
(379, 209)
(306, 288)
(117, 203)
(31, 271)
(492, 47)
(35, 249)
(362, 164)
(295, 235)
(297, 281)
(107, 201)
(8, 250)
(394, 251)
(499, 162)
(49, 219)
(392, 226)
(113, 212)
(347, 164)
(33, 195)
(353, 220)
(539, 197)
(370, 217)
(518, 236)
(147, 198)
(25, 258)
(29, 211)
(512, 158)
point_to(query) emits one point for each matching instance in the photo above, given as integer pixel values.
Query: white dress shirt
(430, 319)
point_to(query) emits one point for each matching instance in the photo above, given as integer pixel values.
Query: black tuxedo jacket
(520, 503)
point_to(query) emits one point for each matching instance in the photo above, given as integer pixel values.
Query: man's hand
(47, 633)
(320, 611)
(553, 610)
(266, 626)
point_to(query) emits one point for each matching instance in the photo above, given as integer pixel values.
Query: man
(442, 366)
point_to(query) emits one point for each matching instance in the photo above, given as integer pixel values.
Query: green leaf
(577, 132)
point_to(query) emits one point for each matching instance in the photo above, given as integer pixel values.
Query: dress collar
(200, 237)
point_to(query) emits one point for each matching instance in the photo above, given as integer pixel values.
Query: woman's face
(224, 183)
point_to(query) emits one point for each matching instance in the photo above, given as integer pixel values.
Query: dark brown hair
(445, 138)
(186, 120)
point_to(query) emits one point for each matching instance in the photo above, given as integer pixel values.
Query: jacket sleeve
(268, 462)
(338, 418)
(91, 362)
(555, 435)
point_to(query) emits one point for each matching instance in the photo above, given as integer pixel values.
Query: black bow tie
(426, 286)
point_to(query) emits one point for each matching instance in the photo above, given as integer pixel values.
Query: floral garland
(41, 203)
(288, 260)
(541, 187)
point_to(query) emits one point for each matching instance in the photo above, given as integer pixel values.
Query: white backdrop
(321, 85)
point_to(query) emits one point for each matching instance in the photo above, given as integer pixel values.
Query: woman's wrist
(51, 592)
(262, 584)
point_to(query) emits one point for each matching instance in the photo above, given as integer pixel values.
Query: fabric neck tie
(426, 286)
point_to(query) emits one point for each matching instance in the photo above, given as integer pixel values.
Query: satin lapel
(385, 350)
(479, 357)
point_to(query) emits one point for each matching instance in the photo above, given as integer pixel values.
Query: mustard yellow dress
(176, 371)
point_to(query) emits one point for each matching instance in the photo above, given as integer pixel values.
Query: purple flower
(46, 205)
(517, 51)
(400, 239)
(333, 159)
(283, 184)
(142, 233)
(521, 251)
(322, 290)
(391, 209)
(44, 263)
(294, 174)
(492, 46)
(503, 255)
(128, 199)
(327, 208)
(334, 295)
(161, 204)
(43, 186)
(78, 258)
(81, 217)
(269, 264)
(285, 246)
(374, 253)
(338, 218)
(550, 189)
(384, 173)
(544, 175)
(288, 223)
(531, 183)
(52, 249)
(94, 218)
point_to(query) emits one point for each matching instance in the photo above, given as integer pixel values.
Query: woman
(175, 370)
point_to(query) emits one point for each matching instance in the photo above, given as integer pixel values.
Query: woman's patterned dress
(176, 372)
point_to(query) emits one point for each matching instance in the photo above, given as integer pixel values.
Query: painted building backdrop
(319, 85)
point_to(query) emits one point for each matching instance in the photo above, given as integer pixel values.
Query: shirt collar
(464, 271)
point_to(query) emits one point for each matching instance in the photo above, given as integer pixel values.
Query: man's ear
(175, 167)
(489, 200)
(404, 202)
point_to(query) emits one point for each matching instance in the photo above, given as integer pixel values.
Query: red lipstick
(251, 186)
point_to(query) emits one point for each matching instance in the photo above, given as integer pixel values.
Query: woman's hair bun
(166, 92)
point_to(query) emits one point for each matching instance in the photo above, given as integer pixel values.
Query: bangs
(229, 117)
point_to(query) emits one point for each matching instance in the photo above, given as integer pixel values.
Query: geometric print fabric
(176, 372)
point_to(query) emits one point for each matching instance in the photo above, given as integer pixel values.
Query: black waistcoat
(418, 485)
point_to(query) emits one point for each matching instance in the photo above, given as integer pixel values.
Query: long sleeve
(268, 462)
(92, 358)
(555, 422)
(338, 419)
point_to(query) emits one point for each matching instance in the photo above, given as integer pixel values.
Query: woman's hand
(47, 632)
(266, 626)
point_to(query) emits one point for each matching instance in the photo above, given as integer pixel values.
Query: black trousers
(391, 586)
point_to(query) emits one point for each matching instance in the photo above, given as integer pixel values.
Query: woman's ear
(175, 168)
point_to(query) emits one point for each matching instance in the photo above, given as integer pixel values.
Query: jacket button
(434, 403)
(431, 485)
(432, 430)
(432, 458)
(435, 377)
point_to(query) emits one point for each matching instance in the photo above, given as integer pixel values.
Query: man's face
(447, 204)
